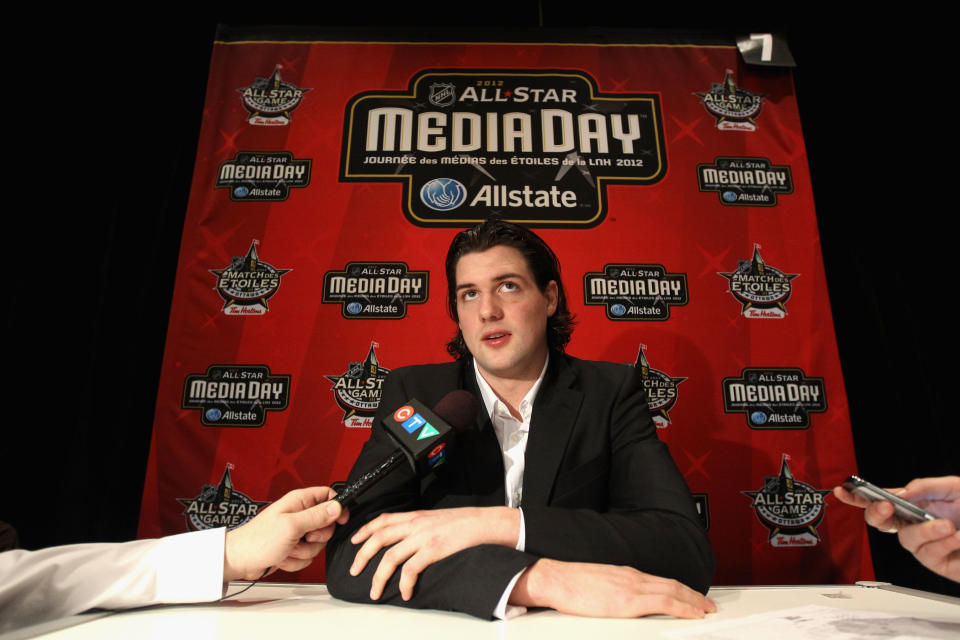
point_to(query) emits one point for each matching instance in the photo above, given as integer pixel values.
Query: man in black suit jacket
(606, 524)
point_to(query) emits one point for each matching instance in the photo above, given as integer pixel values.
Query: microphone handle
(354, 490)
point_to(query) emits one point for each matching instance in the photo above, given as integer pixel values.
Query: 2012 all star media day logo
(761, 289)
(635, 291)
(735, 108)
(247, 283)
(790, 509)
(236, 395)
(536, 146)
(661, 389)
(220, 505)
(358, 390)
(270, 101)
(774, 397)
(262, 176)
(375, 290)
(745, 182)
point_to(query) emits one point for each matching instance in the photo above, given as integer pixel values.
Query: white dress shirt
(512, 434)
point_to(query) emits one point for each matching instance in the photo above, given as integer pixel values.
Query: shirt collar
(491, 401)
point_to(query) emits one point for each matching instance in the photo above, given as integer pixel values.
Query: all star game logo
(220, 506)
(661, 389)
(247, 283)
(790, 510)
(236, 395)
(745, 182)
(635, 291)
(762, 290)
(734, 108)
(774, 397)
(270, 101)
(262, 176)
(375, 290)
(358, 390)
(536, 146)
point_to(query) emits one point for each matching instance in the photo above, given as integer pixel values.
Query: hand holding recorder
(930, 535)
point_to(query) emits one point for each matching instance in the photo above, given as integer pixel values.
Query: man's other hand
(420, 538)
(286, 535)
(605, 591)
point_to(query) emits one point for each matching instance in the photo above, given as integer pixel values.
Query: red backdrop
(671, 181)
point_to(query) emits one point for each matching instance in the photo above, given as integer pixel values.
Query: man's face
(503, 314)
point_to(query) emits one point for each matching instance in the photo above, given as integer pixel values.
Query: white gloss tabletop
(275, 610)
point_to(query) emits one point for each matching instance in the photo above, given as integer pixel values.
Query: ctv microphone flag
(420, 433)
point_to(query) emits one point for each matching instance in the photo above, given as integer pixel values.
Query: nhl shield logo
(442, 94)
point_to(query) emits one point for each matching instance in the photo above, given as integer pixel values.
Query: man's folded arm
(650, 524)
(655, 542)
(470, 581)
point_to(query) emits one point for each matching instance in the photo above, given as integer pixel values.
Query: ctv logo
(410, 420)
(437, 456)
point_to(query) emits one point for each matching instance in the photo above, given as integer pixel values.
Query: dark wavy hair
(540, 258)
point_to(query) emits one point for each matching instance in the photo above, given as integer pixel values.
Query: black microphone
(422, 437)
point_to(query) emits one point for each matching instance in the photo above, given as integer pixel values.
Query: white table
(275, 611)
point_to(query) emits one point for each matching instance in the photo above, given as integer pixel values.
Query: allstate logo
(241, 192)
(618, 309)
(729, 196)
(443, 194)
(213, 414)
(354, 307)
(758, 417)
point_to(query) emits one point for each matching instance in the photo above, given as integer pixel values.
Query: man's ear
(552, 294)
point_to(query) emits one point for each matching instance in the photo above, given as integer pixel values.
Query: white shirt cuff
(522, 538)
(190, 566)
(506, 611)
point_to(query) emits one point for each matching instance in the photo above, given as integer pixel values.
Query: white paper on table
(814, 622)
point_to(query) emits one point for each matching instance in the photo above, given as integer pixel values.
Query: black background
(102, 116)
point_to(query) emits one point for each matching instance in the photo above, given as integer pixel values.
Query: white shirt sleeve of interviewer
(36, 586)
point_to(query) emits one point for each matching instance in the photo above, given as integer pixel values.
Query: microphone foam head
(459, 409)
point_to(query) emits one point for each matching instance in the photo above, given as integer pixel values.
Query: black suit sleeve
(649, 521)
(471, 581)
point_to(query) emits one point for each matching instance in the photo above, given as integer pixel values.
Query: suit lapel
(555, 412)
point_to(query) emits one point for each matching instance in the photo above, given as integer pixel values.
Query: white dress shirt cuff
(506, 611)
(503, 610)
(191, 567)
(522, 538)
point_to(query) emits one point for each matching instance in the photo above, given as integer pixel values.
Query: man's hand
(286, 535)
(420, 538)
(605, 591)
(936, 543)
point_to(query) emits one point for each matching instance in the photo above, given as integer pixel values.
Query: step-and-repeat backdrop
(670, 179)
